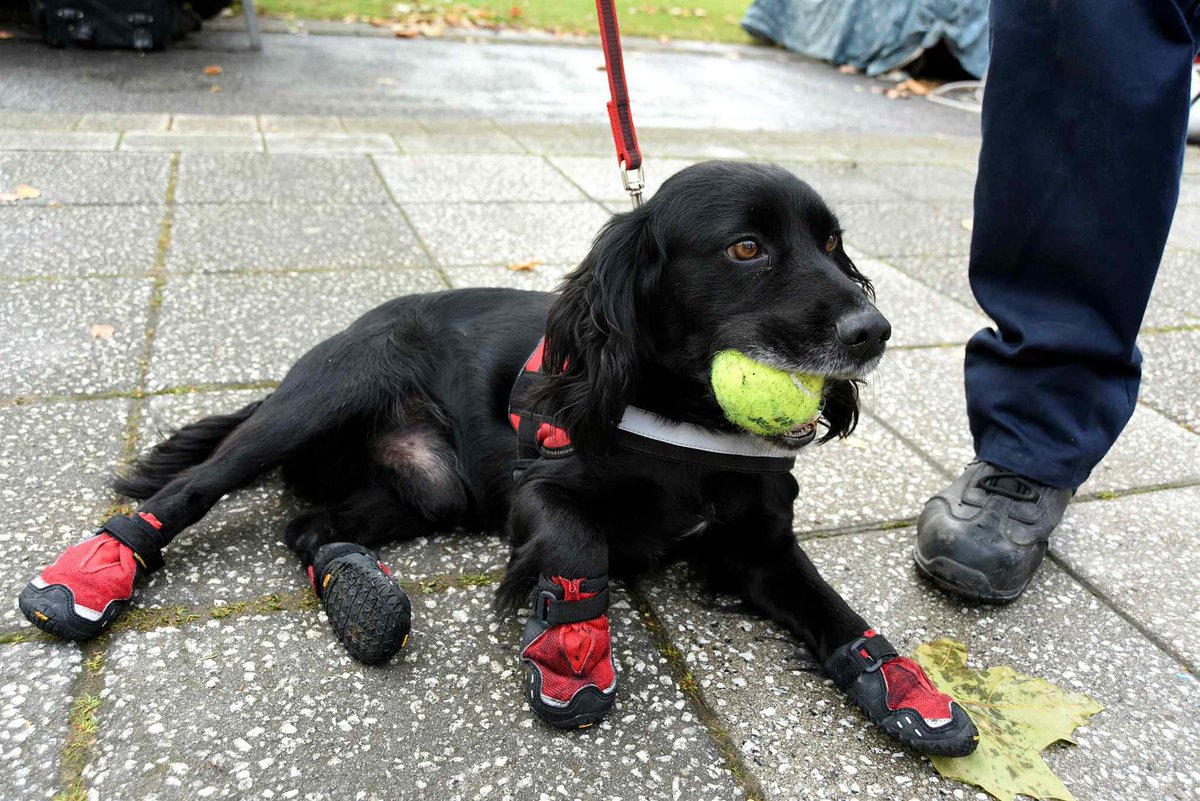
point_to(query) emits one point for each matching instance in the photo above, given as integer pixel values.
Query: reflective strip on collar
(693, 437)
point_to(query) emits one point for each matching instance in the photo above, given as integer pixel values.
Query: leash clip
(633, 185)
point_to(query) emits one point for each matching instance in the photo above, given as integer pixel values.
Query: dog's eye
(745, 250)
(831, 243)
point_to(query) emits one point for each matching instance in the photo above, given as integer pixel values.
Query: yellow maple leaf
(1017, 717)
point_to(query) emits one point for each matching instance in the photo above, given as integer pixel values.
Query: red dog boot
(570, 678)
(91, 583)
(898, 697)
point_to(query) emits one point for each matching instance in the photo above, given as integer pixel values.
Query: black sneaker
(367, 608)
(984, 536)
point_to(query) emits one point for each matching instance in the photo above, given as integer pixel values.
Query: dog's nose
(864, 333)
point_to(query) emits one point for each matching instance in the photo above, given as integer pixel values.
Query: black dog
(400, 427)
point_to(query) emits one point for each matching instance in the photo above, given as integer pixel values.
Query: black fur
(397, 426)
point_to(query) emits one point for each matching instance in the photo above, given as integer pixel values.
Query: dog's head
(725, 256)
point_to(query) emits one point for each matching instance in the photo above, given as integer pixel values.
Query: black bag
(140, 24)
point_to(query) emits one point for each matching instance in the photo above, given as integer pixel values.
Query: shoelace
(1008, 485)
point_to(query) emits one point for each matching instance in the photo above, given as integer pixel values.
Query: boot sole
(52, 609)
(368, 611)
(587, 708)
(964, 581)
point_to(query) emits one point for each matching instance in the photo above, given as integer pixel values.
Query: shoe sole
(964, 581)
(962, 744)
(52, 609)
(587, 708)
(368, 611)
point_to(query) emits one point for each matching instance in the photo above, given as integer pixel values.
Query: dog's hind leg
(85, 590)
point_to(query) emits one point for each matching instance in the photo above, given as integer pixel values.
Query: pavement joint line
(1108, 601)
(137, 394)
(717, 733)
(433, 260)
(577, 185)
(83, 722)
(152, 618)
(911, 444)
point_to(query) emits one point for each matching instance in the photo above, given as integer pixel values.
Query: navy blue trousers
(1084, 123)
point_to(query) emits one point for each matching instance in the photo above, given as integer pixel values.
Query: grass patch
(698, 20)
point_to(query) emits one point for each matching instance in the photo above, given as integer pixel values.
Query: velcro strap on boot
(139, 535)
(554, 611)
(864, 655)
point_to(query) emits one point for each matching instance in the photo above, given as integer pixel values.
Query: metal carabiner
(633, 186)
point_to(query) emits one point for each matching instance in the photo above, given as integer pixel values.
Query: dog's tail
(186, 447)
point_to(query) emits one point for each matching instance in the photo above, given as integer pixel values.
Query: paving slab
(453, 553)
(300, 123)
(35, 682)
(543, 278)
(236, 552)
(1176, 296)
(72, 241)
(841, 184)
(946, 274)
(1172, 362)
(561, 139)
(910, 228)
(507, 233)
(252, 328)
(296, 236)
(277, 706)
(916, 150)
(124, 122)
(1149, 570)
(37, 121)
(392, 125)
(56, 460)
(435, 143)
(280, 179)
(214, 123)
(870, 477)
(104, 178)
(192, 141)
(801, 739)
(445, 179)
(920, 393)
(918, 315)
(600, 176)
(58, 140)
(318, 142)
(927, 183)
(50, 344)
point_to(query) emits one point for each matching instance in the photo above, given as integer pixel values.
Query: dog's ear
(840, 412)
(595, 333)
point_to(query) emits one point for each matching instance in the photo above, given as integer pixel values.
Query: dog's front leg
(560, 556)
(762, 561)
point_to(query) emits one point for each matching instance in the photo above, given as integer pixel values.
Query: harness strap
(139, 535)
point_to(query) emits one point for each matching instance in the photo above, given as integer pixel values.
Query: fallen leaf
(215, 89)
(6, 34)
(22, 192)
(213, 70)
(405, 31)
(1017, 717)
(525, 266)
(968, 223)
(516, 12)
(920, 88)
(102, 330)
(893, 94)
(700, 12)
(386, 81)
(848, 69)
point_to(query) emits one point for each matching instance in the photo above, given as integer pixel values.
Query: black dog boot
(984, 536)
(367, 609)
(894, 692)
(90, 584)
(570, 677)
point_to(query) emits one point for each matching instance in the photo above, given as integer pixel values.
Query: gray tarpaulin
(874, 35)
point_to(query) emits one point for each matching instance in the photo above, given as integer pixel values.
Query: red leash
(629, 155)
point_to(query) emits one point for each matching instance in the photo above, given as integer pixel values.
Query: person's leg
(1084, 120)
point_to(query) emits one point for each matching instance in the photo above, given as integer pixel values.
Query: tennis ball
(761, 399)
